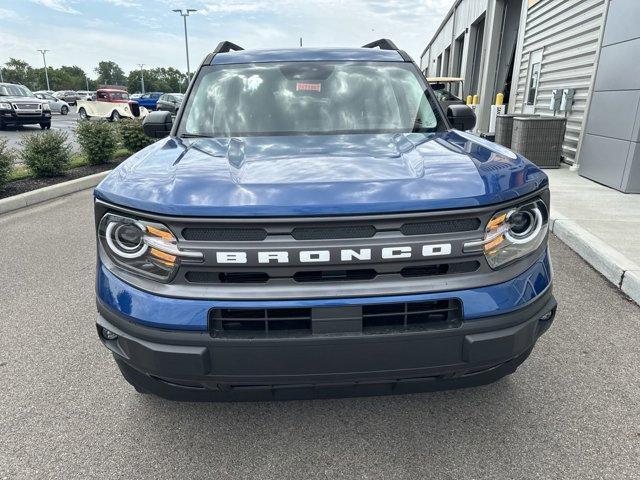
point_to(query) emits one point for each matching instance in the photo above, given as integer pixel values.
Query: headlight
(45, 106)
(145, 248)
(513, 233)
(5, 106)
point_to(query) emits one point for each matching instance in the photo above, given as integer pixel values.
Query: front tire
(64, 110)
(82, 113)
(45, 126)
(115, 116)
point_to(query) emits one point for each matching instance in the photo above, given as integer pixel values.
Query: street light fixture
(141, 65)
(184, 14)
(44, 59)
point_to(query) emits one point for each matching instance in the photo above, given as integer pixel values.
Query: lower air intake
(383, 318)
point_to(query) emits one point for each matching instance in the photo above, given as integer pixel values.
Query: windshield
(15, 91)
(119, 96)
(306, 98)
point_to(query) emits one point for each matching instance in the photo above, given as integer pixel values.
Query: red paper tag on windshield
(308, 87)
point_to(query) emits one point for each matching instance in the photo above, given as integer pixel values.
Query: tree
(109, 73)
(157, 80)
(19, 71)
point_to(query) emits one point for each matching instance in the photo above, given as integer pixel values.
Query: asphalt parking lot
(65, 123)
(571, 411)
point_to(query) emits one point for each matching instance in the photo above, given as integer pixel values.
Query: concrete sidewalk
(601, 224)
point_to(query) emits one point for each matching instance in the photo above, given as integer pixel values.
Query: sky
(129, 32)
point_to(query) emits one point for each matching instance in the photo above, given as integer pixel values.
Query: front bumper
(193, 365)
(11, 118)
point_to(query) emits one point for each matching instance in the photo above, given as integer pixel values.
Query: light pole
(184, 14)
(44, 59)
(86, 80)
(141, 65)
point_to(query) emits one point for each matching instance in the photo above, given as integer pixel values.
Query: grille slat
(224, 234)
(329, 275)
(327, 233)
(441, 226)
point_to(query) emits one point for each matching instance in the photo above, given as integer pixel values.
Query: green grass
(21, 172)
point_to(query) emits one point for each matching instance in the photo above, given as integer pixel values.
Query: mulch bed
(28, 184)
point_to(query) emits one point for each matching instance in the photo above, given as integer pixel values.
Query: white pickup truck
(111, 104)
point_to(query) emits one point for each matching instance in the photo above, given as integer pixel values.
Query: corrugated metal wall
(466, 12)
(568, 32)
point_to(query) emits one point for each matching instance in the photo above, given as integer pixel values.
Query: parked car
(442, 87)
(149, 100)
(170, 102)
(19, 106)
(69, 96)
(86, 95)
(313, 221)
(57, 105)
(111, 104)
(135, 96)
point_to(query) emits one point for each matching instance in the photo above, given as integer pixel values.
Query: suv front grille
(383, 318)
(332, 256)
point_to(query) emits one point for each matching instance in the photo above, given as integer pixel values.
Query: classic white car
(111, 104)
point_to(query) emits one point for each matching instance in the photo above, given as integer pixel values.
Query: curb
(618, 269)
(49, 193)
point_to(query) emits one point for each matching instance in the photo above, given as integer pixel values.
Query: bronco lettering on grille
(402, 252)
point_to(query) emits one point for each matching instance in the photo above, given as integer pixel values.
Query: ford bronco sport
(313, 223)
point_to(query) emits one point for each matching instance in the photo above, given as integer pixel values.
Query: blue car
(313, 223)
(149, 100)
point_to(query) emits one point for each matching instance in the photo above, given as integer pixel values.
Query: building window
(534, 79)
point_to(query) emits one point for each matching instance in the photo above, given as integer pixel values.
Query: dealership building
(579, 59)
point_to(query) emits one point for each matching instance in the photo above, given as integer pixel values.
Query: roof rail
(224, 47)
(383, 44)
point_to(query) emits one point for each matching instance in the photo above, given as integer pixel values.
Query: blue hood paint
(319, 175)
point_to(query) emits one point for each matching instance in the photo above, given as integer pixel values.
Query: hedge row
(48, 154)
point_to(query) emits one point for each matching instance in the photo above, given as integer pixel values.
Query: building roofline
(444, 22)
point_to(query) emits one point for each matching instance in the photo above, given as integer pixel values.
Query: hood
(319, 175)
(14, 99)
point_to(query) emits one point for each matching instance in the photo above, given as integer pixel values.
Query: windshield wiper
(194, 135)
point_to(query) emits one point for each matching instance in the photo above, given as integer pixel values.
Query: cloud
(6, 14)
(123, 3)
(251, 24)
(58, 5)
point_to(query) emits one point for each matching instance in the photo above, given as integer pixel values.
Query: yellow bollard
(469, 99)
(475, 100)
(500, 99)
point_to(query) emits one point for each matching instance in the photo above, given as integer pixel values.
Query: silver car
(57, 105)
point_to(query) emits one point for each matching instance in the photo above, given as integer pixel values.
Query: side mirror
(461, 117)
(157, 124)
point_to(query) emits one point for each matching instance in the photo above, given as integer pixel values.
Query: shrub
(98, 141)
(47, 154)
(132, 135)
(6, 162)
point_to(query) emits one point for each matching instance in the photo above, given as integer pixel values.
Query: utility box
(539, 139)
(556, 100)
(504, 128)
(566, 105)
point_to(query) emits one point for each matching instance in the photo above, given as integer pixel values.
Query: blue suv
(314, 224)
(149, 100)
